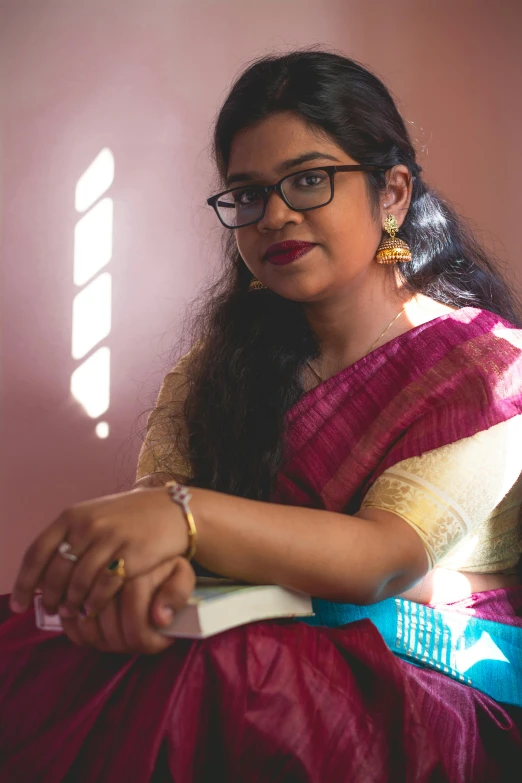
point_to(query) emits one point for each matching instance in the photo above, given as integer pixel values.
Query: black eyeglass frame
(278, 188)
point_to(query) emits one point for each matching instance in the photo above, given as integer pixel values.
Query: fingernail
(15, 606)
(64, 611)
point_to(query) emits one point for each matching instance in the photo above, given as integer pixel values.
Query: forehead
(280, 137)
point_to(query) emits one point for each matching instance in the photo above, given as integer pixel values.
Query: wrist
(199, 505)
(181, 495)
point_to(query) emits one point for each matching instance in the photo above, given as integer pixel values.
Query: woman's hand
(144, 528)
(130, 621)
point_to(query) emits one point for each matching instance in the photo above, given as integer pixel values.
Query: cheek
(351, 228)
(245, 244)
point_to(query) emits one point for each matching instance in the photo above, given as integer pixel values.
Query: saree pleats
(267, 702)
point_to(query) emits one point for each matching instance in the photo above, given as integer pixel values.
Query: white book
(217, 605)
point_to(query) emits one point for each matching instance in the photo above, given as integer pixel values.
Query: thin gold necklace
(372, 346)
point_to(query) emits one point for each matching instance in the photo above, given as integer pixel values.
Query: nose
(277, 214)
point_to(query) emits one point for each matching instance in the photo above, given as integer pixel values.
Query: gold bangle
(181, 495)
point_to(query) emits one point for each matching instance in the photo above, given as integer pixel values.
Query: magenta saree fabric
(271, 702)
(445, 380)
(283, 701)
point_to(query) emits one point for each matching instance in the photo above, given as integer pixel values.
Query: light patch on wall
(91, 321)
(90, 383)
(93, 241)
(95, 180)
(102, 430)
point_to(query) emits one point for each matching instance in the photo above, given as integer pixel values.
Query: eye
(310, 179)
(246, 196)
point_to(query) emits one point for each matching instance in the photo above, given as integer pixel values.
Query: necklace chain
(372, 346)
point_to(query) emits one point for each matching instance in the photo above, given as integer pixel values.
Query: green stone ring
(117, 567)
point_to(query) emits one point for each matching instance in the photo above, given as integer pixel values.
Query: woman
(349, 422)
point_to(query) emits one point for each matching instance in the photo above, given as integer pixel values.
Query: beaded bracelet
(181, 495)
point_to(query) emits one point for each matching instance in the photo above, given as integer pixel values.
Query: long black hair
(245, 373)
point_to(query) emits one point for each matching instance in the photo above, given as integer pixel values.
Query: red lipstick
(283, 253)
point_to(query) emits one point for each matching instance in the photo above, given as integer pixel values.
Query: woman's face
(345, 233)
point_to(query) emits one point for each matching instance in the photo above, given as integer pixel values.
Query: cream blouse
(463, 500)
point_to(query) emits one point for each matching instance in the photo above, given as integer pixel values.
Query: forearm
(326, 554)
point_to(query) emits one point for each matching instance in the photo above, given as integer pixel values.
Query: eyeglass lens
(305, 190)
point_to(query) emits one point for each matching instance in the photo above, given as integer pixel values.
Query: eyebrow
(285, 166)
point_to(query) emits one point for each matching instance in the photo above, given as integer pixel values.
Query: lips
(286, 252)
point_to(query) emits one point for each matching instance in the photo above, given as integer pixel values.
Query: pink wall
(145, 79)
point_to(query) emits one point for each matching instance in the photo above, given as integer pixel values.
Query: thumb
(173, 593)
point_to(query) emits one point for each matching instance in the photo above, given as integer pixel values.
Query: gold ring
(117, 567)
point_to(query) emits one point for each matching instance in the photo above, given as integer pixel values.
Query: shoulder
(449, 379)
(181, 368)
(174, 385)
(183, 364)
(489, 348)
(466, 338)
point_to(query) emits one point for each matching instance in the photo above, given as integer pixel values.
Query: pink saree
(284, 701)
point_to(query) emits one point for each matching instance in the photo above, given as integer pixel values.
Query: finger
(35, 560)
(103, 591)
(71, 630)
(110, 625)
(139, 634)
(92, 585)
(102, 632)
(110, 619)
(85, 632)
(54, 581)
(91, 632)
(174, 593)
(57, 577)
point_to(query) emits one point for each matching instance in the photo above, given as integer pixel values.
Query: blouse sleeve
(159, 452)
(466, 492)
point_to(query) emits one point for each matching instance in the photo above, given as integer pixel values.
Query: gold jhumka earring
(392, 249)
(257, 285)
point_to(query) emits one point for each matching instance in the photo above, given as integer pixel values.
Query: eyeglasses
(301, 191)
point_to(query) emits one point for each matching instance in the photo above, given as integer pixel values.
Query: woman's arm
(357, 559)
(417, 514)
(320, 546)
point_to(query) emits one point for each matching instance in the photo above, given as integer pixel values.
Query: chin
(299, 291)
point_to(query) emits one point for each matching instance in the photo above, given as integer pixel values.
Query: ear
(396, 197)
